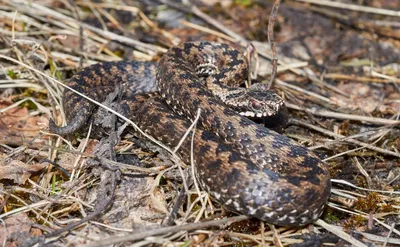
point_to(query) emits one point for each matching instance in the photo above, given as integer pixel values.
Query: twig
(196, 11)
(330, 133)
(354, 7)
(271, 39)
(363, 172)
(178, 203)
(206, 30)
(299, 89)
(340, 181)
(164, 230)
(91, 100)
(277, 241)
(344, 116)
(100, 208)
(32, 8)
(341, 234)
(385, 240)
(193, 125)
(242, 41)
(336, 76)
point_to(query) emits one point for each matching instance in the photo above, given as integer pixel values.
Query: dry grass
(42, 44)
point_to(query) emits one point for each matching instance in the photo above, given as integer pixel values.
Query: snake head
(261, 103)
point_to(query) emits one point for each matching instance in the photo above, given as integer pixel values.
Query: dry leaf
(361, 97)
(16, 170)
(17, 126)
(18, 227)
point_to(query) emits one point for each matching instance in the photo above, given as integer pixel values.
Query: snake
(245, 167)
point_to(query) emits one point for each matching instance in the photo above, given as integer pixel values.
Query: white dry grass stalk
(354, 7)
(362, 214)
(33, 208)
(72, 25)
(346, 194)
(158, 204)
(206, 30)
(22, 83)
(202, 199)
(193, 168)
(32, 100)
(345, 116)
(67, 22)
(383, 76)
(344, 138)
(344, 182)
(4, 232)
(89, 99)
(340, 233)
(363, 172)
(380, 239)
(78, 158)
(342, 153)
(299, 89)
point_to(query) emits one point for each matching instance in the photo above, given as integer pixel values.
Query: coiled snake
(245, 167)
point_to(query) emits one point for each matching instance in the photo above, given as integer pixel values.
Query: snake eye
(256, 105)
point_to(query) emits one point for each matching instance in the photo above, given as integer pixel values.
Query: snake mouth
(257, 109)
(256, 114)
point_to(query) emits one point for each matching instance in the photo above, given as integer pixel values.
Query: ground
(338, 73)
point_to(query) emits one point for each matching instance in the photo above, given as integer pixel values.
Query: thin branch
(271, 40)
(362, 144)
(164, 230)
(345, 116)
(354, 7)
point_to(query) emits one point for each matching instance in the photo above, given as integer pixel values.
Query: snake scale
(245, 167)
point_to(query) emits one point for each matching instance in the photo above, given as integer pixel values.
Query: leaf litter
(339, 79)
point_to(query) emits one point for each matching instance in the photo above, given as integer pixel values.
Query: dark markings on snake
(220, 76)
(295, 180)
(245, 122)
(222, 148)
(261, 133)
(245, 140)
(235, 156)
(229, 112)
(278, 144)
(297, 151)
(186, 76)
(204, 93)
(207, 135)
(204, 149)
(310, 162)
(215, 165)
(235, 174)
(217, 123)
(271, 175)
(314, 180)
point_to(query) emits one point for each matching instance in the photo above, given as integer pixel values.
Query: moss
(355, 221)
(368, 204)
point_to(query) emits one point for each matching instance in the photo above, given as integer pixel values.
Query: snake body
(245, 167)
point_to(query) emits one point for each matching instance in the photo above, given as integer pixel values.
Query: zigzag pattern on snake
(245, 167)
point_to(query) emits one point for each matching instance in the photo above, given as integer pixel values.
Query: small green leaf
(12, 74)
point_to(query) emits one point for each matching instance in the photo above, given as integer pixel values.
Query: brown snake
(247, 168)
